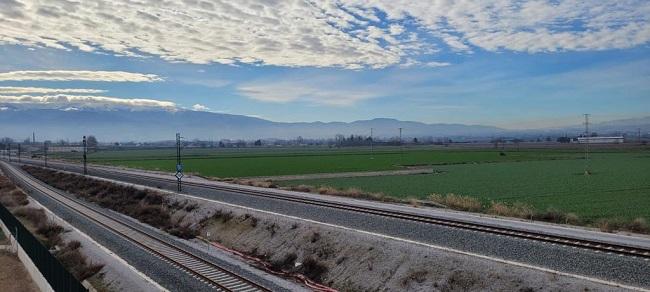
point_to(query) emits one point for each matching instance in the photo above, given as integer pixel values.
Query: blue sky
(514, 64)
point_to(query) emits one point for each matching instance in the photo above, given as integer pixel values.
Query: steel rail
(213, 275)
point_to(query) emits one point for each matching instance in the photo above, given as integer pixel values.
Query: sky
(512, 64)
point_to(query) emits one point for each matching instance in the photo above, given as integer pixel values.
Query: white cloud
(63, 75)
(332, 33)
(323, 91)
(200, 108)
(84, 101)
(408, 63)
(45, 90)
(436, 64)
(529, 26)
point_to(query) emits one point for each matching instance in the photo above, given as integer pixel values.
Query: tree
(415, 140)
(258, 142)
(91, 141)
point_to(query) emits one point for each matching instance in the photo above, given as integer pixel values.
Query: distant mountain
(156, 125)
(614, 127)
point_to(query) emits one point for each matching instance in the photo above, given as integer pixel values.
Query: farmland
(271, 162)
(619, 186)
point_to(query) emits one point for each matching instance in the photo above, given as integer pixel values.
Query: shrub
(75, 262)
(638, 225)
(457, 202)
(519, 210)
(286, 263)
(313, 269)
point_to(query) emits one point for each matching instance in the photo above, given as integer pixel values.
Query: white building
(600, 140)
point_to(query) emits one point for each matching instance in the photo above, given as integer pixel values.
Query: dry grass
(75, 262)
(10, 195)
(639, 225)
(255, 183)
(457, 202)
(350, 192)
(518, 210)
(147, 206)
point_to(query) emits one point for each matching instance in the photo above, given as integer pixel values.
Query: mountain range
(156, 125)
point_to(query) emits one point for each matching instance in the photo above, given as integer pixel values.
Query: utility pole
(401, 151)
(45, 152)
(587, 141)
(18, 152)
(33, 138)
(371, 145)
(9, 151)
(85, 149)
(179, 164)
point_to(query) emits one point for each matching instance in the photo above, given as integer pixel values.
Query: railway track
(213, 275)
(594, 245)
(548, 238)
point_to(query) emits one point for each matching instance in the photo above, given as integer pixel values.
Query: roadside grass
(616, 196)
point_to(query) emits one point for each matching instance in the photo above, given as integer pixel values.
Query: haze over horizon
(509, 64)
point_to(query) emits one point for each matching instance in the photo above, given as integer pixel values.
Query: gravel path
(427, 170)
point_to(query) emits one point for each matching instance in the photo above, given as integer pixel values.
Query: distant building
(599, 140)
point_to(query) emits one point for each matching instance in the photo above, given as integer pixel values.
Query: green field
(618, 188)
(270, 162)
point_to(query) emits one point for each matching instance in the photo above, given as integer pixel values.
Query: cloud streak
(319, 91)
(350, 34)
(85, 101)
(67, 75)
(46, 90)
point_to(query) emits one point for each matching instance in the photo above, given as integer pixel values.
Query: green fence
(53, 271)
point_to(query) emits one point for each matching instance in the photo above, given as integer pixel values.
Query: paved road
(158, 270)
(619, 269)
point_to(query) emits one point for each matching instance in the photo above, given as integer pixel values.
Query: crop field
(271, 162)
(619, 186)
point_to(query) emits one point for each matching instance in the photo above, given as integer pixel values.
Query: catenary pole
(85, 151)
